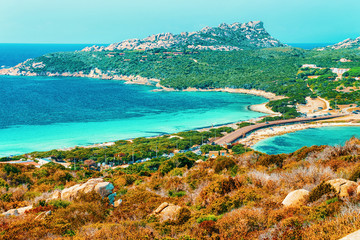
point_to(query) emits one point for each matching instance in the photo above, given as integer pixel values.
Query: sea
(44, 113)
(291, 142)
(309, 45)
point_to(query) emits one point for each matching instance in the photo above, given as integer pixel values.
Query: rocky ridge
(22, 69)
(347, 43)
(225, 37)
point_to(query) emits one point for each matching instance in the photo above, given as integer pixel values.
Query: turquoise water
(43, 113)
(291, 142)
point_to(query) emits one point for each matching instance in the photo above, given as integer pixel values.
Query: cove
(44, 113)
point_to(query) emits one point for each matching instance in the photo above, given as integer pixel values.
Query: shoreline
(250, 140)
(151, 82)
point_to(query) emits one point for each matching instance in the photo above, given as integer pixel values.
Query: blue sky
(108, 21)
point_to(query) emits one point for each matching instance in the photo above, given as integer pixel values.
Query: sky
(109, 21)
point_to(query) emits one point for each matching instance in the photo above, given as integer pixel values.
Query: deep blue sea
(43, 113)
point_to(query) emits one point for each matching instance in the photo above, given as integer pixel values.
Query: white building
(43, 161)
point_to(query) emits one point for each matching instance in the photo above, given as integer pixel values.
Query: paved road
(240, 133)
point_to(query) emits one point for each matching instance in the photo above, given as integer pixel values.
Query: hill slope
(225, 37)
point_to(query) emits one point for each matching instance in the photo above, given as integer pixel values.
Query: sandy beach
(263, 109)
(256, 108)
(260, 93)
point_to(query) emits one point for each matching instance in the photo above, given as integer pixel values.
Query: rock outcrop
(17, 212)
(96, 184)
(343, 187)
(117, 202)
(68, 194)
(295, 198)
(42, 215)
(225, 37)
(167, 211)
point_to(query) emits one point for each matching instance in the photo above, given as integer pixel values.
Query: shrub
(240, 222)
(268, 160)
(355, 175)
(322, 189)
(350, 158)
(138, 182)
(238, 149)
(222, 163)
(166, 167)
(209, 226)
(208, 148)
(177, 172)
(129, 179)
(183, 216)
(324, 210)
(3, 183)
(9, 168)
(59, 203)
(207, 218)
(303, 152)
(174, 193)
(181, 161)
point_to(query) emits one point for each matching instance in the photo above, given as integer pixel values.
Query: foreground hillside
(188, 196)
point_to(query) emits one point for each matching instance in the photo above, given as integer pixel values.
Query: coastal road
(242, 132)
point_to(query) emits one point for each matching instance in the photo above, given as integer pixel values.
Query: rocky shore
(95, 73)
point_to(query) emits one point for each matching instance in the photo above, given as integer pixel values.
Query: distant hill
(347, 43)
(225, 37)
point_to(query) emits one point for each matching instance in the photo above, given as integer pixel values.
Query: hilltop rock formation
(347, 43)
(225, 37)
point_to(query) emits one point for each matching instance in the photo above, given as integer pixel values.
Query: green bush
(174, 193)
(3, 183)
(268, 160)
(322, 189)
(355, 175)
(177, 172)
(9, 168)
(221, 163)
(59, 203)
(238, 149)
(183, 216)
(206, 218)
